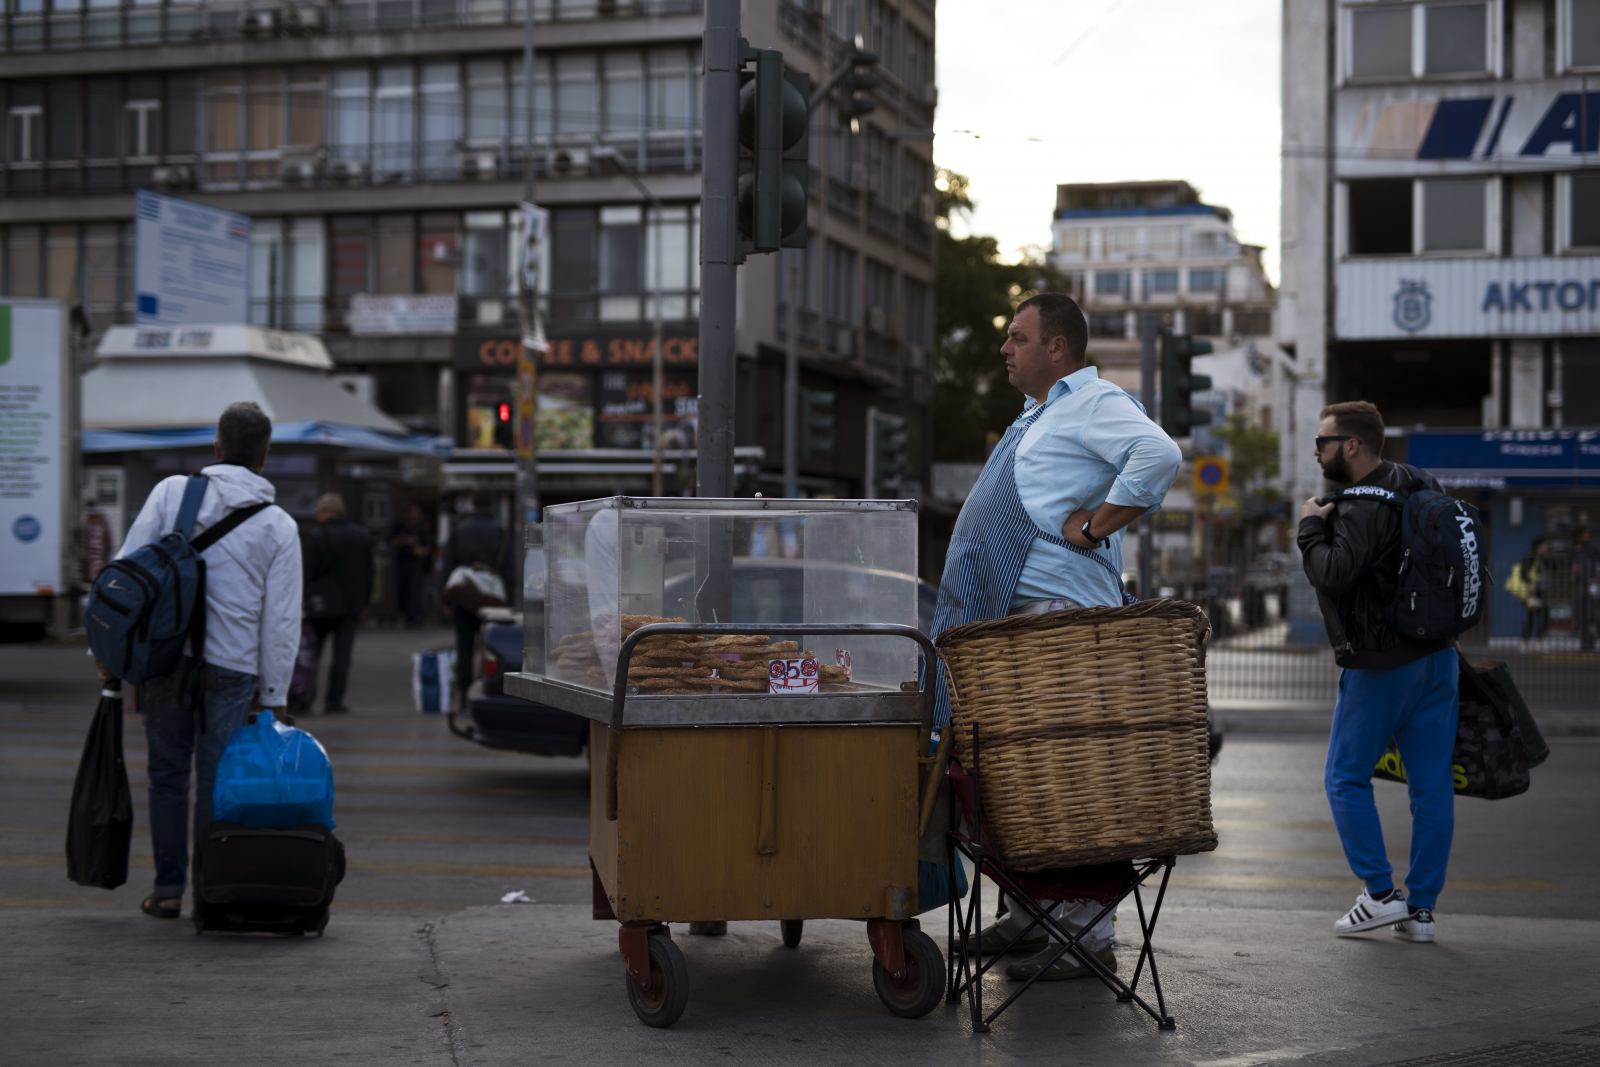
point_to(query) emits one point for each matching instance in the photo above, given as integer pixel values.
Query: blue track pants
(1416, 705)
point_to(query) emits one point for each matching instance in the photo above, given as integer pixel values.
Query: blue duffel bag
(272, 777)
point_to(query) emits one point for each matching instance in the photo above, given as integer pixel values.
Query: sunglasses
(1322, 441)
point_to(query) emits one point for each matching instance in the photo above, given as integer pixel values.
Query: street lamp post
(610, 160)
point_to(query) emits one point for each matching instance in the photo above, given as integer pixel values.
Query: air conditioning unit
(263, 23)
(347, 170)
(298, 169)
(172, 177)
(304, 21)
(481, 165)
(877, 321)
(571, 161)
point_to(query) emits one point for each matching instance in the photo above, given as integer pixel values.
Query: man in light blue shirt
(1042, 531)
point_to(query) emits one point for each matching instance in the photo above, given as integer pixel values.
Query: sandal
(152, 905)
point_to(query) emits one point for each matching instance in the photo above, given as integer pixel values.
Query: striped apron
(988, 549)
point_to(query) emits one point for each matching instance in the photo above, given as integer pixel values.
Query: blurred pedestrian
(1391, 687)
(338, 585)
(477, 539)
(1585, 586)
(1527, 584)
(252, 632)
(412, 544)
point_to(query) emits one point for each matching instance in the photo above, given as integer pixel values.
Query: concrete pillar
(1527, 383)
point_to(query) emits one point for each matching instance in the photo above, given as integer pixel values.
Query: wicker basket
(1093, 731)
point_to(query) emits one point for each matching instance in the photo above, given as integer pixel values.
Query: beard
(1337, 470)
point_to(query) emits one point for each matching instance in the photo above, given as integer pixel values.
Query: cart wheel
(922, 987)
(669, 985)
(792, 929)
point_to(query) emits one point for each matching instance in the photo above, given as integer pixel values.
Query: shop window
(491, 411)
(1108, 324)
(566, 410)
(1583, 31)
(1108, 283)
(1203, 280)
(1380, 216)
(1453, 215)
(1456, 38)
(1585, 198)
(1380, 42)
(1580, 383)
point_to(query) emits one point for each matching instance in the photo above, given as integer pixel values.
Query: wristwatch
(1089, 537)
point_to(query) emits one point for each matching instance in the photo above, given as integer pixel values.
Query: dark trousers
(467, 623)
(410, 575)
(1534, 622)
(343, 629)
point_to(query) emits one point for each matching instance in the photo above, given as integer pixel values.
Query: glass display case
(614, 564)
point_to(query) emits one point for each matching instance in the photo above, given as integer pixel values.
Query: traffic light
(504, 430)
(774, 145)
(855, 91)
(1178, 415)
(816, 423)
(886, 459)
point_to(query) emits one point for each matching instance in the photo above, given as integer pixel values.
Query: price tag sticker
(791, 676)
(841, 656)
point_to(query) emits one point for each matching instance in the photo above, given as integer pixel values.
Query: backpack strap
(1366, 492)
(230, 522)
(190, 686)
(194, 491)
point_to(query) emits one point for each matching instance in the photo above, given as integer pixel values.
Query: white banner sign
(191, 263)
(30, 448)
(402, 314)
(1538, 297)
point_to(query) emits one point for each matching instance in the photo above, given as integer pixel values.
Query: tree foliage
(975, 295)
(1252, 454)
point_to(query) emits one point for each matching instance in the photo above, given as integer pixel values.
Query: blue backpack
(1441, 588)
(145, 606)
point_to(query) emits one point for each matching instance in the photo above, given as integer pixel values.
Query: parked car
(498, 720)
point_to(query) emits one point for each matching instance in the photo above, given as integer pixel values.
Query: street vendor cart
(760, 722)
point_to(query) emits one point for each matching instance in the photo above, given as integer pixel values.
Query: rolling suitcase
(250, 880)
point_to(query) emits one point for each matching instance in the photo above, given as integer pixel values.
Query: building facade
(1441, 231)
(380, 148)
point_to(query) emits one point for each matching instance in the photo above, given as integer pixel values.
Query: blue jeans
(1416, 705)
(174, 742)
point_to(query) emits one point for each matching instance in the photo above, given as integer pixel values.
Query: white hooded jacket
(252, 574)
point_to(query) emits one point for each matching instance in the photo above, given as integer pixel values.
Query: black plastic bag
(100, 826)
(1498, 677)
(1489, 760)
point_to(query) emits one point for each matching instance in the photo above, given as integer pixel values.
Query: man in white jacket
(252, 635)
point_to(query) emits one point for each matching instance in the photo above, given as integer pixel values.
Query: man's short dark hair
(1358, 418)
(482, 499)
(1060, 316)
(243, 434)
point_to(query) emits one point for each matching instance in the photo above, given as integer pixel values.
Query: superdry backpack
(145, 606)
(1440, 588)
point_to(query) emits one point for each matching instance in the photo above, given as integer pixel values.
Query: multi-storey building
(380, 148)
(1441, 231)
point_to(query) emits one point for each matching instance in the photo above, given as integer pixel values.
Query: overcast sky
(1151, 89)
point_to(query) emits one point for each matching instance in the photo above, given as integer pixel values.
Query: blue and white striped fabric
(988, 549)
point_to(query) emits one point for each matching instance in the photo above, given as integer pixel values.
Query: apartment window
(1203, 280)
(674, 92)
(880, 297)
(1380, 216)
(622, 112)
(1108, 324)
(1161, 281)
(1162, 241)
(839, 288)
(915, 327)
(1204, 244)
(64, 120)
(264, 115)
(27, 130)
(350, 120)
(286, 273)
(485, 255)
(438, 253)
(1256, 322)
(1453, 215)
(486, 102)
(441, 118)
(918, 64)
(142, 128)
(394, 126)
(621, 243)
(1206, 322)
(844, 18)
(1583, 33)
(1072, 242)
(796, 263)
(350, 266)
(575, 94)
(1580, 383)
(1380, 42)
(1456, 38)
(1584, 193)
(672, 244)
(24, 261)
(224, 123)
(1108, 283)
(1122, 241)
(574, 257)
(307, 107)
(398, 254)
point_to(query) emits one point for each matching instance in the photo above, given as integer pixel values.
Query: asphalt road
(423, 964)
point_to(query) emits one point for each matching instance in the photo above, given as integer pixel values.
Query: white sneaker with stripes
(1419, 926)
(1370, 914)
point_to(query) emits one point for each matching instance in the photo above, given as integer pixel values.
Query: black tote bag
(1490, 760)
(100, 826)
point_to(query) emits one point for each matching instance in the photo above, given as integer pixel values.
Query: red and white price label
(841, 656)
(792, 675)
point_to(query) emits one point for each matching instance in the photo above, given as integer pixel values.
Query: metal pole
(1147, 397)
(791, 390)
(718, 257)
(657, 371)
(526, 508)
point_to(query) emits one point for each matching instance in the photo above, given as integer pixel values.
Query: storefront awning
(356, 438)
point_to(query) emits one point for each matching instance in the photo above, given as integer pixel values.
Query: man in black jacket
(338, 584)
(1390, 687)
(475, 539)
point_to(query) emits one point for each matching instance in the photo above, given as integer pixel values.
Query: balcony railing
(201, 23)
